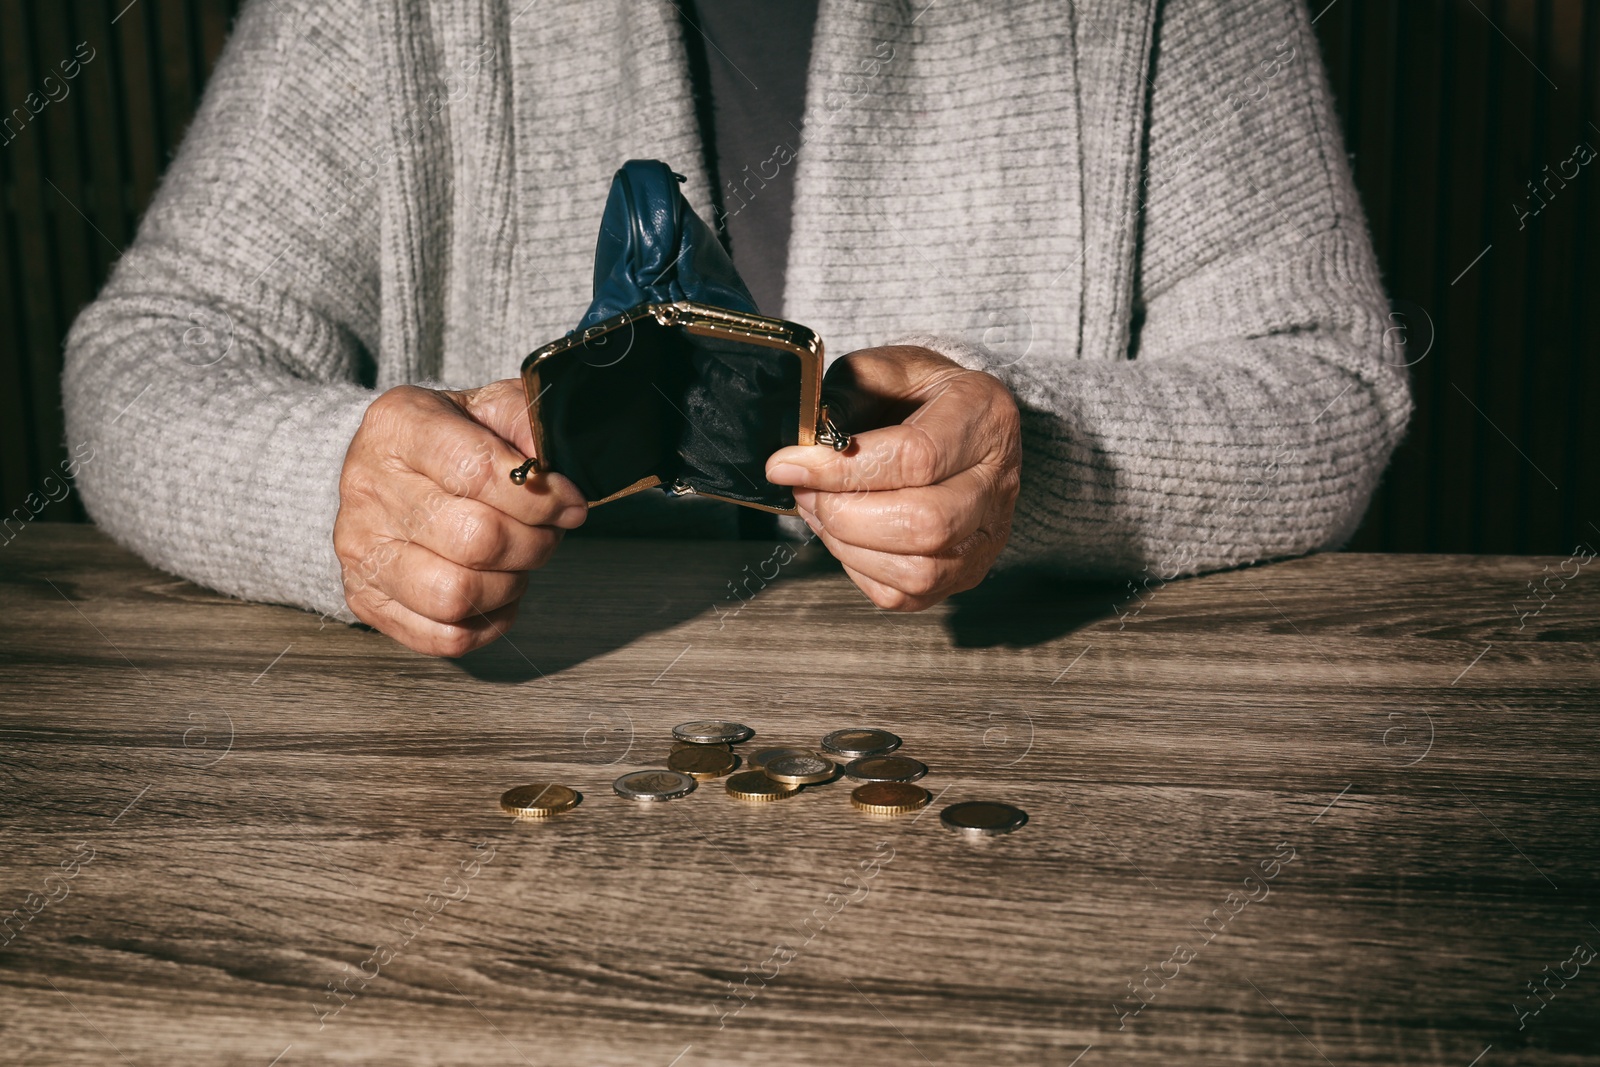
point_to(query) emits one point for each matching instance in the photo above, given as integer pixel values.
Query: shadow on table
(1024, 607)
(554, 632)
(575, 613)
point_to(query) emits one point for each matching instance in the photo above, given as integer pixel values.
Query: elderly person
(1102, 281)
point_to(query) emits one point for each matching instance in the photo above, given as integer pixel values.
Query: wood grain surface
(1335, 810)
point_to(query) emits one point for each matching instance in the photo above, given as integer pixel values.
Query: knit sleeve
(1263, 396)
(212, 388)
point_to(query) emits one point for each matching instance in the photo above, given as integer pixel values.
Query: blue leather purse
(672, 379)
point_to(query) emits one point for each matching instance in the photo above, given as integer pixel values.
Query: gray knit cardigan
(1137, 214)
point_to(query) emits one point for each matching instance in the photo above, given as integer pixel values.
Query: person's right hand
(434, 539)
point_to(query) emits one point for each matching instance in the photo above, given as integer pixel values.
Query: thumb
(502, 407)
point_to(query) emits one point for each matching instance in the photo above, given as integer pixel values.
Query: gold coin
(890, 798)
(538, 800)
(754, 786)
(761, 757)
(720, 746)
(807, 768)
(702, 763)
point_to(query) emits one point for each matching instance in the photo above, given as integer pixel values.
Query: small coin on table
(805, 769)
(889, 798)
(538, 800)
(703, 762)
(886, 769)
(756, 787)
(723, 746)
(712, 731)
(653, 785)
(860, 741)
(983, 818)
(763, 756)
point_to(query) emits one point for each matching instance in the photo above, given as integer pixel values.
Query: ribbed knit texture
(1180, 291)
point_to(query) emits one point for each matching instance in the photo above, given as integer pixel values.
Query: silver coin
(805, 769)
(711, 731)
(983, 818)
(761, 757)
(653, 785)
(860, 741)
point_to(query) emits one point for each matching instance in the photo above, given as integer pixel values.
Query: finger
(941, 438)
(919, 581)
(929, 520)
(887, 597)
(461, 529)
(503, 407)
(474, 535)
(437, 589)
(427, 636)
(441, 441)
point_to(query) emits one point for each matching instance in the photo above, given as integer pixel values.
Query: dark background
(1450, 107)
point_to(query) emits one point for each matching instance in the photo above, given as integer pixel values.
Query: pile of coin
(703, 751)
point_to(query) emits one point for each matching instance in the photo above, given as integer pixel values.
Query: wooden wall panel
(75, 178)
(1450, 108)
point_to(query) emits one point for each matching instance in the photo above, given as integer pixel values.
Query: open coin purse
(672, 379)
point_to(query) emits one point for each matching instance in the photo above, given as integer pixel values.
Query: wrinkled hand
(434, 539)
(920, 504)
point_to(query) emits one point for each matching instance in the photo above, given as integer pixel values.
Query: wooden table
(1335, 810)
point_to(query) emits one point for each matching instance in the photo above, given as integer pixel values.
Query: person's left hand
(920, 504)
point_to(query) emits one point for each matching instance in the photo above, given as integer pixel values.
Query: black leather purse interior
(683, 396)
